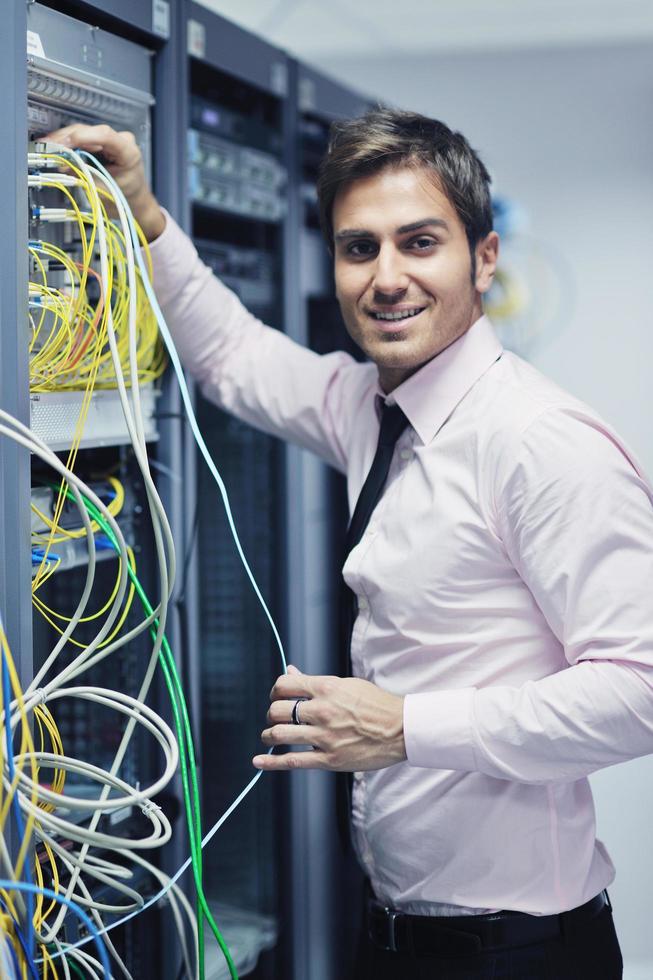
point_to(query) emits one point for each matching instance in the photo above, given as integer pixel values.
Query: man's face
(403, 270)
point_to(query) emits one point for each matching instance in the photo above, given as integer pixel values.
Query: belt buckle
(392, 916)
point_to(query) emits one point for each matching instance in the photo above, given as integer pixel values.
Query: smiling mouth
(395, 316)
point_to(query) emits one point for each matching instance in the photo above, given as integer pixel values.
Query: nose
(390, 278)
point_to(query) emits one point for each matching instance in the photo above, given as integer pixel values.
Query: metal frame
(170, 69)
(324, 97)
(145, 16)
(236, 52)
(15, 560)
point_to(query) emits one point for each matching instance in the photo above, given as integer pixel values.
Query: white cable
(117, 194)
(175, 878)
(159, 518)
(129, 706)
(34, 444)
(134, 434)
(24, 437)
(52, 180)
(93, 906)
(89, 963)
(174, 358)
(60, 953)
(8, 969)
(71, 861)
(176, 898)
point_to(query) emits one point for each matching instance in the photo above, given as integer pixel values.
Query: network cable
(111, 241)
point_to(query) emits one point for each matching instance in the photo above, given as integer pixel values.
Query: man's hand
(124, 163)
(351, 724)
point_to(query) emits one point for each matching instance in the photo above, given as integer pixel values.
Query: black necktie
(393, 423)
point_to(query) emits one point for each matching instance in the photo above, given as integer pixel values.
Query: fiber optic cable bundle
(65, 849)
(69, 299)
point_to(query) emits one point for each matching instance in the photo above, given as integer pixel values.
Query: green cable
(174, 687)
(71, 963)
(173, 684)
(185, 741)
(75, 969)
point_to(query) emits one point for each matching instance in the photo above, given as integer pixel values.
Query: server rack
(238, 186)
(90, 63)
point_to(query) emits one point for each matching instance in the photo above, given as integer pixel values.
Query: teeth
(399, 315)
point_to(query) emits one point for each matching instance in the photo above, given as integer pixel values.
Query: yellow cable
(26, 746)
(114, 507)
(45, 612)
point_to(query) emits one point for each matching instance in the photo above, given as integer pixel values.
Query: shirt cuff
(438, 729)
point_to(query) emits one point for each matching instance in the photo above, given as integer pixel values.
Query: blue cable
(15, 806)
(14, 960)
(166, 888)
(23, 942)
(23, 886)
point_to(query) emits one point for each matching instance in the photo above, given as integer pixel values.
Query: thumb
(293, 670)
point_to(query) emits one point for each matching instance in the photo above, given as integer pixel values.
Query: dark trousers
(589, 953)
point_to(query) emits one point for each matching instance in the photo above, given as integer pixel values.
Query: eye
(422, 244)
(361, 249)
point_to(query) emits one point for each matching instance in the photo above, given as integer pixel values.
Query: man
(501, 560)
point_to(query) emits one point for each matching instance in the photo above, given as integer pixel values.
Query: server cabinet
(238, 186)
(76, 70)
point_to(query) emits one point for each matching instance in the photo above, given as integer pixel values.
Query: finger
(78, 134)
(291, 735)
(293, 670)
(291, 686)
(291, 760)
(281, 712)
(119, 149)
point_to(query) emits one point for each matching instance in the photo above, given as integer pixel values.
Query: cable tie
(41, 695)
(149, 807)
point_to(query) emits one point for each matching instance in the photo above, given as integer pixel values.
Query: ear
(487, 254)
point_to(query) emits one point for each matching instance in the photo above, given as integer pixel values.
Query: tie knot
(393, 423)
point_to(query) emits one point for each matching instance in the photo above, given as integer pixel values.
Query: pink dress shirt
(504, 585)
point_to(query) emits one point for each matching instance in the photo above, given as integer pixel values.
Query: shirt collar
(429, 396)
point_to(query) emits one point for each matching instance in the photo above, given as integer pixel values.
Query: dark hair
(384, 138)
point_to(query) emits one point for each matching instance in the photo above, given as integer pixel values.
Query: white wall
(569, 134)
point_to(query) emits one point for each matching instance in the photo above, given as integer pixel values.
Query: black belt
(426, 935)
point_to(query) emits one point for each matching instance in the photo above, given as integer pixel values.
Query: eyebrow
(404, 229)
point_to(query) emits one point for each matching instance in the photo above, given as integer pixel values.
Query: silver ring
(294, 715)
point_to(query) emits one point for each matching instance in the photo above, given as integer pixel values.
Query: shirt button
(406, 453)
(363, 603)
